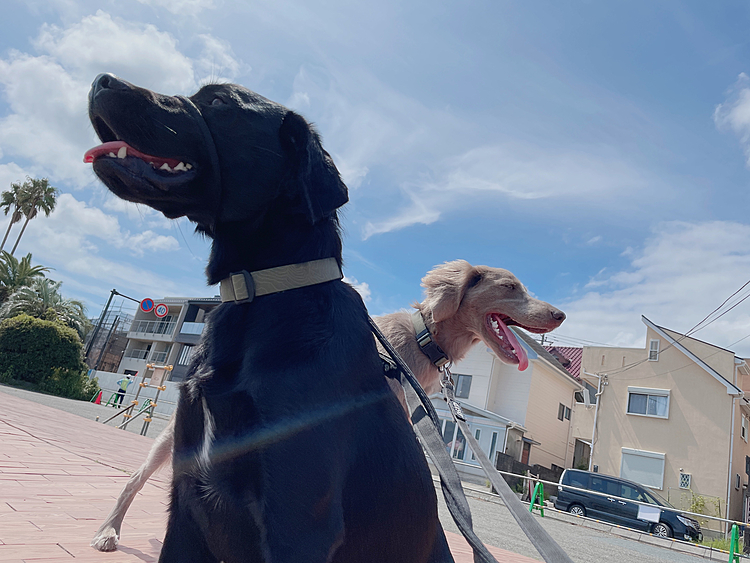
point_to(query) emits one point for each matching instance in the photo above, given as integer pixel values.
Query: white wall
(167, 399)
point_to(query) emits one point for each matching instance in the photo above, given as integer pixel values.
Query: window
(561, 412)
(567, 413)
(685, 479)
(653, 350)
(743, 429)
(493, 444)
(477, 433)
(737, 481)
(648, 402)
(602, 485)
(463, 385)
(646, 468)
(185, 354)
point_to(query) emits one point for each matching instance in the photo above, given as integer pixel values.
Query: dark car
(614, 505)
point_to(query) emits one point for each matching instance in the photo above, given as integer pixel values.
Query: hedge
(46, 354)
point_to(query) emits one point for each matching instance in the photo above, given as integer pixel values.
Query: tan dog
(464, 305)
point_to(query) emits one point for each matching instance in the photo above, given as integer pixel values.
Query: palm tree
(11, 198)
(37, 196)
(15, 273)
(42, 299)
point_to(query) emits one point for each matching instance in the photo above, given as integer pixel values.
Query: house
(671, 416)
(524, 414)
(166, 340)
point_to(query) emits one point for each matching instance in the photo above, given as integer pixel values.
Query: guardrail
(139, 354)
(589, 491)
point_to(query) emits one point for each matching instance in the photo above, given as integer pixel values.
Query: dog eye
(217, 102)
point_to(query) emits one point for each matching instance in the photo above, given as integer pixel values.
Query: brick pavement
(60, 475)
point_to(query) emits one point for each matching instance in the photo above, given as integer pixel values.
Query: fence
(509, 466)
(167, 399)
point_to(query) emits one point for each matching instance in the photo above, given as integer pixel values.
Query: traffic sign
(161, 310)
(147, 305)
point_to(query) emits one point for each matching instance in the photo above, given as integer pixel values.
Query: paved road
(84, 409)
(495, 526)
(492, 522)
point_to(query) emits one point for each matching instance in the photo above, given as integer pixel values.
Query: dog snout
(108, 81)
(558, 315)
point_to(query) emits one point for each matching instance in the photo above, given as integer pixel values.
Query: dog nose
(558, 315)
(107, 81)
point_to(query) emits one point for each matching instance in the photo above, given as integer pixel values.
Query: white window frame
(653, 350)
(647, 454)
(743, 428)
(647, 391)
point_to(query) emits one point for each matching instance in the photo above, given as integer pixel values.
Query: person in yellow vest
(123, 383)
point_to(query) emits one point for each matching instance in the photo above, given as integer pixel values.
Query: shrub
(45, 354)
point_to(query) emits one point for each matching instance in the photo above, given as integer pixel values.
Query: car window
(606, 486)
(634, 494)
(580, 480)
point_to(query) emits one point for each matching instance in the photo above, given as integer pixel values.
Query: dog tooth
(180, 166)
(122, 153)
(165, 166)
(188, 166)
(113, 155)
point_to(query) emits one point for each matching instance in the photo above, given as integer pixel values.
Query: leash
(426, 423)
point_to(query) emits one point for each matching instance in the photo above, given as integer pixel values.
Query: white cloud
(362, 288)
(734, 113)
(594, 240)
(182, 7)
(217, 60)
(47, 93)
(684, 271)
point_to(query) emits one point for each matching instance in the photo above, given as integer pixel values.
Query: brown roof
(569, 356)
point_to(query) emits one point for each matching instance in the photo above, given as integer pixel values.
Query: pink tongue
(523, 359)
(114, 147)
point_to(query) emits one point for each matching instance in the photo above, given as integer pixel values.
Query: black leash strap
(426, 423)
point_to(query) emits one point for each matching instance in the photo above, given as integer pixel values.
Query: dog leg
(108, 534)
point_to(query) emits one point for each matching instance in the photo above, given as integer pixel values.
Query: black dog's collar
(428, 346)
(244, 286)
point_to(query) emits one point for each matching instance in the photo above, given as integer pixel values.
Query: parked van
(614, 505)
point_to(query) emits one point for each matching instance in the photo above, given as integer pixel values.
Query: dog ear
(316, 180)
(446, 286)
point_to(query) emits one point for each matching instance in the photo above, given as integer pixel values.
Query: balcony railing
(137, 354)
(159, 357)
(153, 327)
(192, 328)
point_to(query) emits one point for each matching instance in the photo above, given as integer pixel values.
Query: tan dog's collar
(428, 346)
(244, 286)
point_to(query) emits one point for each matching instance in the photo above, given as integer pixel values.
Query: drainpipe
(599, 391)
(731, 443)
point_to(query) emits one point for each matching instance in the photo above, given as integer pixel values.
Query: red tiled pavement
(60, 475)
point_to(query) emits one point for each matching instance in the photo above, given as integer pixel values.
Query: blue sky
(597, 150)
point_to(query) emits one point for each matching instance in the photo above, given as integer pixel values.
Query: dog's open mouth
(121, 150)
(508, 348)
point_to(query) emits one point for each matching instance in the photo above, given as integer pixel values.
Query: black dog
(289, 445)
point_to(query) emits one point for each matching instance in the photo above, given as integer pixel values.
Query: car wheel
(662, 530)
(577, 510)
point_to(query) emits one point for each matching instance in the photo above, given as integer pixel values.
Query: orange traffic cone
(98, 400)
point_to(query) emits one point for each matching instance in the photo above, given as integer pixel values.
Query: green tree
(15, 274)
(36, 195)
(44, 355)
(42, 299)
(11, 199)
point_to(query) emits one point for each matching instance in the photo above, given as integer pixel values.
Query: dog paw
(105, 540)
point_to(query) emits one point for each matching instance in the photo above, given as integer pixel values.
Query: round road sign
(147, 305)
(161, 310)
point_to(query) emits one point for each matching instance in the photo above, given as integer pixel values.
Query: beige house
(525, 414)
(671, 416)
